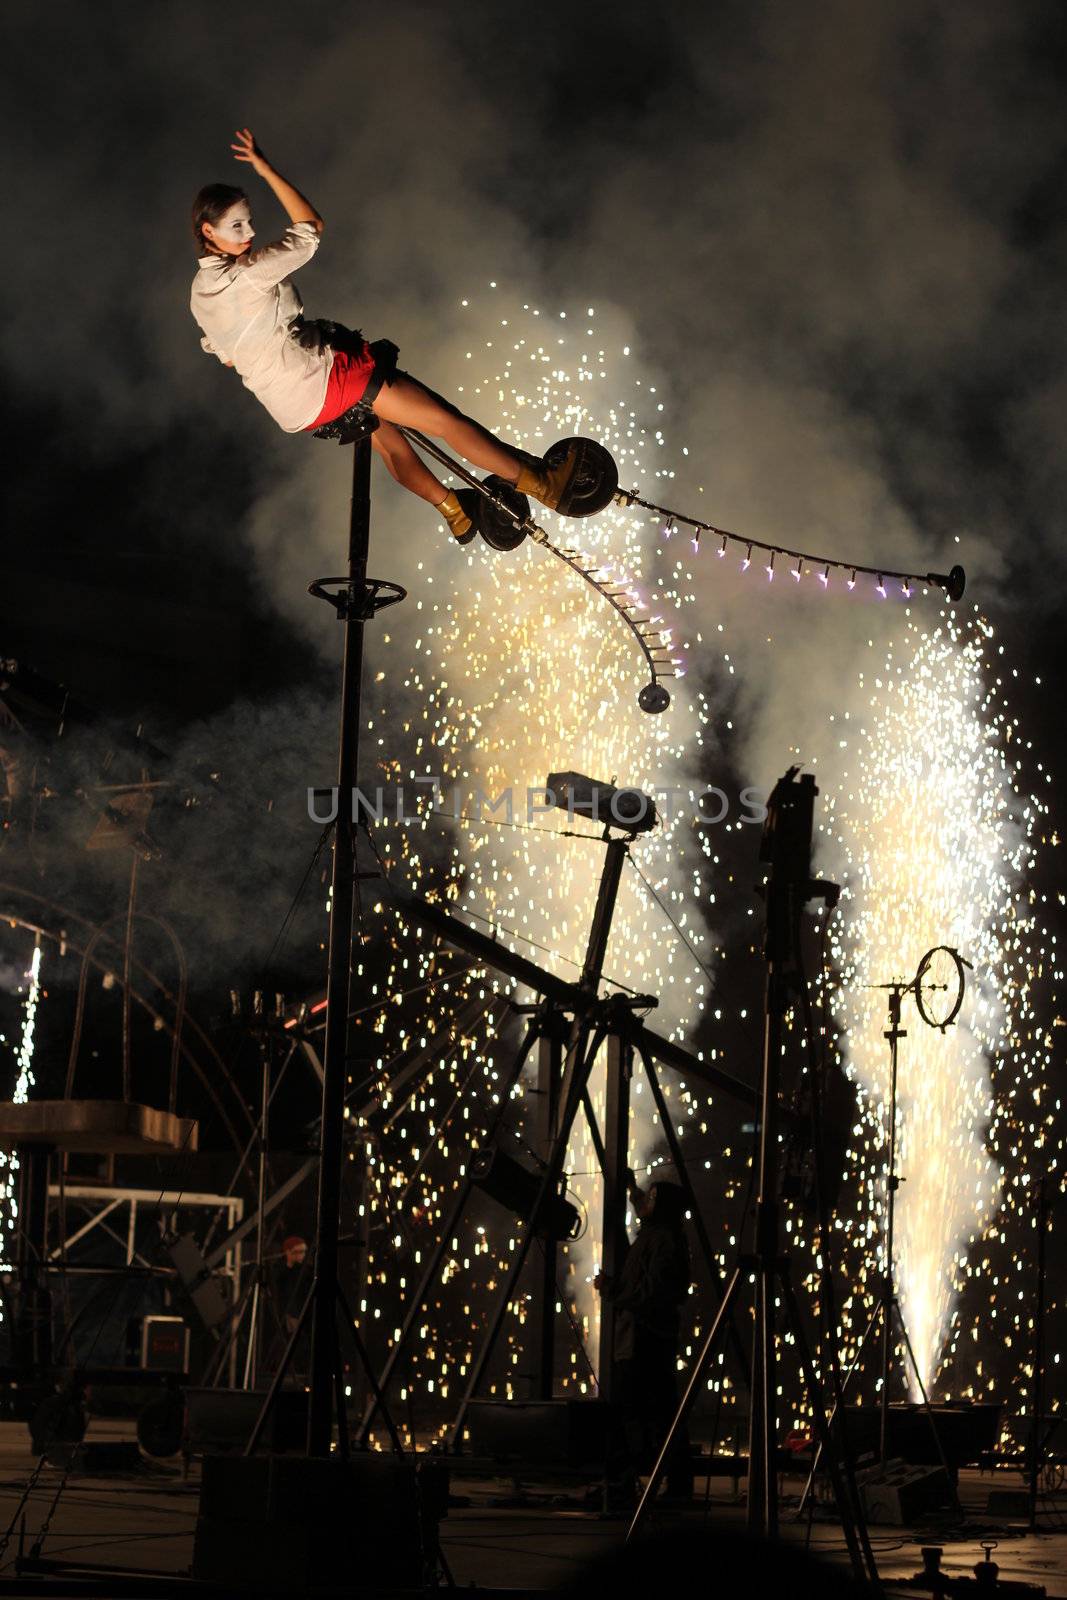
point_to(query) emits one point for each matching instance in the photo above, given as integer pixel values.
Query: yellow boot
(545, 483)
(460, 522)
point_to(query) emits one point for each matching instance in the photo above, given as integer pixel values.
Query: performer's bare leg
(413, 405)
(405, 465)
(407, 403)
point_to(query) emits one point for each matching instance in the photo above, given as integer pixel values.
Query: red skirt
(349, 376)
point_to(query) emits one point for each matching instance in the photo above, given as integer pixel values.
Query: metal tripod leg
(580, 1062)
(221, 1354)
(364, 1360)
(283, 1368)
(871, 1325)
(251, 1353)
(849, 1510)
(696, 1377)
(855, 1532)
(339, 1394)
(715, 1274)
(279, 1376)
(433, 1266)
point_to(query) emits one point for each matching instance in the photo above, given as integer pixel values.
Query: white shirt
(247, 307)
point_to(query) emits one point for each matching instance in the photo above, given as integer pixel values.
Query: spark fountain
(9, 1164)
(931, 840)
(559, 694)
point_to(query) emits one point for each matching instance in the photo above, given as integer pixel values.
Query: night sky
(837, 232)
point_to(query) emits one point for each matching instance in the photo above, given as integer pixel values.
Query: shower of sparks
(9, 1164)
(500, 669)
(24, 1081)
(930, 839)
(562, 694)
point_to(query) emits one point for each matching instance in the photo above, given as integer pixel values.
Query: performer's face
(233, 233)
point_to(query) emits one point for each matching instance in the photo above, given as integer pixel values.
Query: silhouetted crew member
(647, 1297)
(290, 1282)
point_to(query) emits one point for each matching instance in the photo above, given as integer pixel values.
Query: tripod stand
(787, 848)
(568, 1028)
(888, 1306)
(938, 991)
(549, 1029)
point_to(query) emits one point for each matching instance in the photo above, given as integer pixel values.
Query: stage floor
(144, 1520)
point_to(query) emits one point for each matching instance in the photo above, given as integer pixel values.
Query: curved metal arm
(654, 695)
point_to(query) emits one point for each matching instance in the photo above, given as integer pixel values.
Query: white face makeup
(235, 225)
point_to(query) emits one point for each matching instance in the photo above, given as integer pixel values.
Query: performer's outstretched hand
(299, 209)
(246, 149)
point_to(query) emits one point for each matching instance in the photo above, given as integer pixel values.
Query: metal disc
(653, 698)
(957, 582)
(594, 477)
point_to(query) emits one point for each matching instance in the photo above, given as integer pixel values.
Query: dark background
(860, 203)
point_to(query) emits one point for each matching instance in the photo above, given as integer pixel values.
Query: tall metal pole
(255, 1327)
(716, 1276)
(543, 1319)
(1037, 1391)
(617, 1098)
(889, 1292)
(32, 1332)
(613, 1233)
(762, 1508)
(614, 859)
(342, 899)
(595, 952)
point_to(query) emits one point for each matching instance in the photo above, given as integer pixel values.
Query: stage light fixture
(516, 1188)
(578, 795)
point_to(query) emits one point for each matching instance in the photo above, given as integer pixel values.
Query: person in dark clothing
(290, 1280)
(647, 1297)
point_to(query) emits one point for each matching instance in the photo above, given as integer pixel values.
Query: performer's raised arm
(296, 206)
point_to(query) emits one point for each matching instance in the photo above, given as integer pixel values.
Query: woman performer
(308, 374)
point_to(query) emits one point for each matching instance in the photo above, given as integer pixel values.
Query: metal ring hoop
(924, 966)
